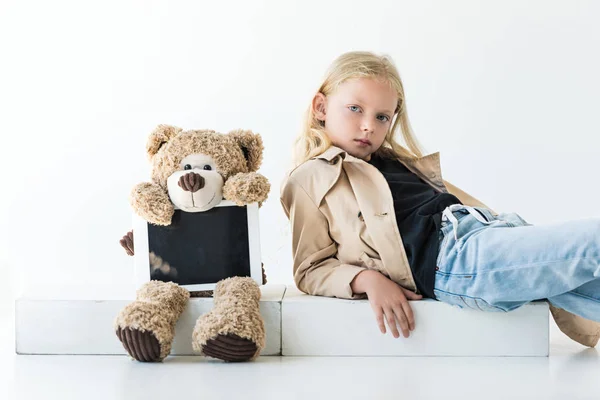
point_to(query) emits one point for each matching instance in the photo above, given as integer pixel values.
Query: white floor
(571, 372)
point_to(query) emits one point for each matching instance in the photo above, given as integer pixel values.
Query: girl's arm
(317, 271)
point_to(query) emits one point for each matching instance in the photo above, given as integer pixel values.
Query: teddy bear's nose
(191, 182)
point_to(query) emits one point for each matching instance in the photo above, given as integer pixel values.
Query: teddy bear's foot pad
(230, 347)
(143, 346)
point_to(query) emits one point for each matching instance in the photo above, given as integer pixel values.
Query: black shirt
(418, 207)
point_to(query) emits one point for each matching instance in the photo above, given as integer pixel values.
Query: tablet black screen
(199, 248)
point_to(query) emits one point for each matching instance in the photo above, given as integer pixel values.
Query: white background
(507, 91)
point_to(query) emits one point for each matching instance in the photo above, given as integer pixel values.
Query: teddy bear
(193, 171)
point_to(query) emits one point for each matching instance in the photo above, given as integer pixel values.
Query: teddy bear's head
(193, 166)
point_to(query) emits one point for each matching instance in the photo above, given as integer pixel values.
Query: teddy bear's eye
(207, 168)
(187, 166)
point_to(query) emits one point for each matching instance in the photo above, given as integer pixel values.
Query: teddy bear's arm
(152, 203)
(245, 188)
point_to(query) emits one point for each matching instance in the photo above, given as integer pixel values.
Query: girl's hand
(387, 299)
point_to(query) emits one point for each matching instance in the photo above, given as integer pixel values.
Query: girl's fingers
(411, 295)
(410, 318)
(402, 320)
(379, 318)
(391, 321)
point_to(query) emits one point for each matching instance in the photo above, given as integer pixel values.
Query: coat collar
(333, 152)
(427, 167)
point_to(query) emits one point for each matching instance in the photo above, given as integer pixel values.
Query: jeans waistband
(447, 215)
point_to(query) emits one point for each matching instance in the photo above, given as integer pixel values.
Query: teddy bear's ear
(161, 135)
(252, 147)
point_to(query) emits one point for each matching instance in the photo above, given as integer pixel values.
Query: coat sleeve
(465, 198)
(317, 271)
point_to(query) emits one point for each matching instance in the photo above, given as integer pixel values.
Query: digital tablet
(199, 249)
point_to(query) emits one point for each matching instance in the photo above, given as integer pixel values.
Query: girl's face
(357, 115)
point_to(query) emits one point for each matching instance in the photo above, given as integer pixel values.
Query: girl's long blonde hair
(313, 139)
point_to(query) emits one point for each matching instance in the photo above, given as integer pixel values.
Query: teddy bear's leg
(234, 330)
(146, 327)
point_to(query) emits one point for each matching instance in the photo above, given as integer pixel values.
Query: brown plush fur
(152, 203)
(157, 308)
(161, 135)
(237, 154)
(236, 311)
(253, 146)
(246, 188)
(226, 150)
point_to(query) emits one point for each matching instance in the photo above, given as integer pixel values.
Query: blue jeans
(499, 263)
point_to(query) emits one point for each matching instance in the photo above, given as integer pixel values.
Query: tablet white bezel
(141, 250)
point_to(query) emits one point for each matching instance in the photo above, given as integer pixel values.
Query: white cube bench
(80, 320)
(320, 326)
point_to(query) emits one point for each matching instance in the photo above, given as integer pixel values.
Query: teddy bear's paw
(127, 244)
(230, 347)
(141, 345)
(264, 274)
(152, 203)
(246, 188)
